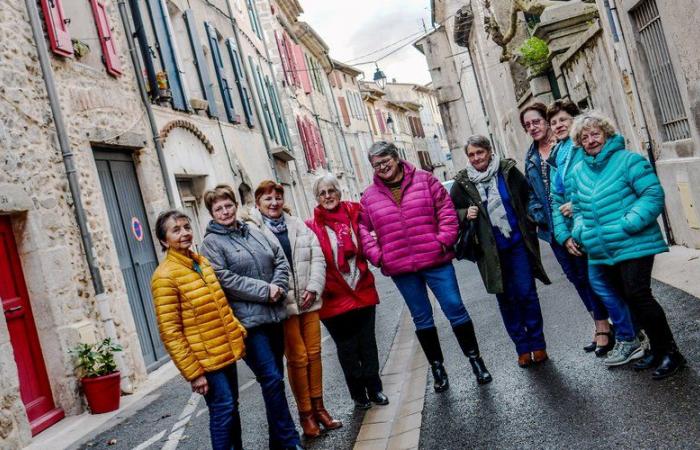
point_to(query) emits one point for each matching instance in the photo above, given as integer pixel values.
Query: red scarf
(339, 221)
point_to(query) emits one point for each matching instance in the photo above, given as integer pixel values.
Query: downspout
(101, 298)
(147, 104)
(615, 24)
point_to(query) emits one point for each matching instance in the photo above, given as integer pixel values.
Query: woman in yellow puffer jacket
(196, 324)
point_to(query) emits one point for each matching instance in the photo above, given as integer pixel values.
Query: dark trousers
(264, 354)
(519, 303)
(224, 416)
(353, 333)
(632, 278)
(576, 270)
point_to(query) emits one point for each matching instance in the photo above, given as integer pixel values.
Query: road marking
(155, 438)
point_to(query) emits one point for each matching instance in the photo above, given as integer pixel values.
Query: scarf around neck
(486, 183)
(339, 221)
(276, 225)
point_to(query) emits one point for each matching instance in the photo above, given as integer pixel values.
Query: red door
(33, 382)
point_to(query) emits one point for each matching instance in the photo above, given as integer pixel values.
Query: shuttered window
(380, 121)
(240, 81)
(303, 136)
(166, 49)
(344, 111)
(220, 72)
(104, 32)
(264, 102)
(277, 110)
(253, 16)
(284, 57)
(57, 27)
(301, 69)
(205, 81)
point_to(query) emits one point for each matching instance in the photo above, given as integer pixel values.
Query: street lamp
(379, 78)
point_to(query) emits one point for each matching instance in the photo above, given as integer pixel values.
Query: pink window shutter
(57, 27)
(104, 31)
(283, 57)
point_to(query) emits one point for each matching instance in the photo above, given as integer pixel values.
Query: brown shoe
(322, 416)
(539, 356)
(309, 425)
(524, 359)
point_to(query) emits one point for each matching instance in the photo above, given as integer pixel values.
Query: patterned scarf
(276, 225)
(486, 183)
(339, 221)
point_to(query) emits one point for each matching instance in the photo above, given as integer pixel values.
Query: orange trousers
(302, 347)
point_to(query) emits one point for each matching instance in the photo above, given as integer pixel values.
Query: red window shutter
(57, 27)
(380, 121)
(344, 111)
(104, 31)
(302, 70)
(412, 125)
(320, 151)
(291, 59)
(283, 57)
(421, 131)
(306, 143)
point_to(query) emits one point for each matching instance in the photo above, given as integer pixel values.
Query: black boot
(467, 341)
(430, 343)
(670, 362)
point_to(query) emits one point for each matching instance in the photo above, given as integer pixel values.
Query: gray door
(132, 237)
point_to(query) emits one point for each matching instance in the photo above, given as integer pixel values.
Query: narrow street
(572, 401)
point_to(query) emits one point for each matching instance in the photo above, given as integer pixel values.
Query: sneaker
(624, 352)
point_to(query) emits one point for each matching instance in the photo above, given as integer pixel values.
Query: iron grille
(672, 111)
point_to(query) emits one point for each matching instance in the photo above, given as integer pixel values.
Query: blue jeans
(264, 352)
(519, 303)
(576, 270)
(620, 315)
(443, 282)
(224, 416)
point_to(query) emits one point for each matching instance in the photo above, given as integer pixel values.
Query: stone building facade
(108, 137)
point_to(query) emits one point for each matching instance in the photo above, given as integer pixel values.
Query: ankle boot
(322, 416)
(467, 341)
(308, 424)
(670, 362)
(430, 343)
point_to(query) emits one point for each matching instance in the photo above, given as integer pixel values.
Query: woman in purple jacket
(415, 227)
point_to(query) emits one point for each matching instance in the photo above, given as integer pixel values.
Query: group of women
(266, 279)
(596, 204)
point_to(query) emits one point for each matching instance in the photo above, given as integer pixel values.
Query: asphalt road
(156, 425)
(572, 401)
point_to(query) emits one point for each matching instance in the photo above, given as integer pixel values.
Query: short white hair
(588, 120)
(326, 179)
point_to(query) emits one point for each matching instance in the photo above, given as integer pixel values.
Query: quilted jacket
(416, 234)
(567, 157)
(308, 266)
(196, 324)
(617, 198)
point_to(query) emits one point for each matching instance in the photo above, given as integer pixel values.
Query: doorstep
(73, 430)
(397, 425)
(680, 268)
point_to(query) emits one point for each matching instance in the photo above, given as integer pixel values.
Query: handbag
(467, 246)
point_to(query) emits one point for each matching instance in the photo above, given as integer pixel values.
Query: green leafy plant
(95, 360)
(534, 54)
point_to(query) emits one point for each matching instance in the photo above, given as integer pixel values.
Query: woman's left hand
(200, 385)
(307, 299)
(566, 210)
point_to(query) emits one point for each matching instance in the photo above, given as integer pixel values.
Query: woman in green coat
(617, 199)
(493, 193)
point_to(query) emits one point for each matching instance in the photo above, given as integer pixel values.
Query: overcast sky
(357, 27)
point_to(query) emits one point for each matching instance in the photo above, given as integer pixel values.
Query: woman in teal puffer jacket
(617, 199)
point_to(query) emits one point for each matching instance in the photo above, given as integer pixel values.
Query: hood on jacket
(614, 144)
(217, 228)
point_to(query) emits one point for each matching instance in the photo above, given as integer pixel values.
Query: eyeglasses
(535, 122)
(328, 193)
(382, 164)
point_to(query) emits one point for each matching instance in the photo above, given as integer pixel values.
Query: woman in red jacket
(349, 299)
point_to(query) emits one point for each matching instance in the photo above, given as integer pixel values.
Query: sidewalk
(679, 268)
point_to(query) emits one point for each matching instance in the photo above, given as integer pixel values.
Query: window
(651, 35)
(264, 102)
(57, 27)
(220, 72)
(277, 111)
(254, 21)
(200, 62)
(240, 81)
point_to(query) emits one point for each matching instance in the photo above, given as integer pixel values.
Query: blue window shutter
(201, 63)
(160, 21)
(240, 81)
(220, 74)
(277, 109)
(144, 48)
(253, 16)
(263, 99)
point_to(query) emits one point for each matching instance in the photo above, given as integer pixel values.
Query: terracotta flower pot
(102, 393)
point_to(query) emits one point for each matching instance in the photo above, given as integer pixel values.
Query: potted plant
(98, 374)
(534, 54)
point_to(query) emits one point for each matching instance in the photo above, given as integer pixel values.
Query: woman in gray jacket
(302, 330)
(254, 274)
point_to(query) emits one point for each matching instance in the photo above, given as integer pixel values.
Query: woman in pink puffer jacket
(408, 227)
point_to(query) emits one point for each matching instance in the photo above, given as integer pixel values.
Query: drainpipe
(102, 299)
(615, 25)
(146, 102)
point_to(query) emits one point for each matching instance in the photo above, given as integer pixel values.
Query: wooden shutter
(321, 151)
(200, 61)
(57, 27)
(284, 57)
(307, 143)
(277, 110)
(289, 47)
(412, 124)
(301, 68)
(104, 31)
(161, 25)
(380, 121)
(144, 47)
(220, 73)
(344, 111)
(240, 81)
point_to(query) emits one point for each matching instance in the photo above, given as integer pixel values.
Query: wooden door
(34, 386)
